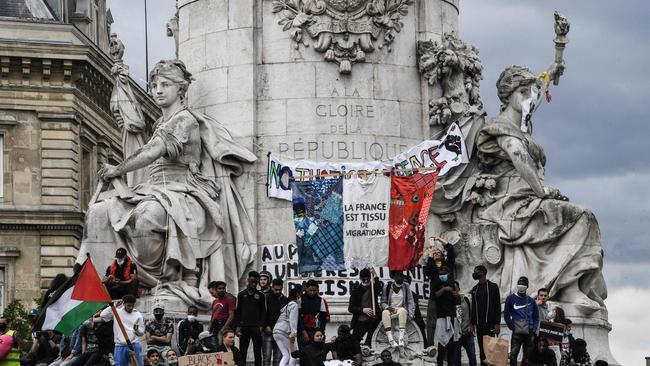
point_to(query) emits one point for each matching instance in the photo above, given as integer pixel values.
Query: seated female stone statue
(553, 242)
(186, 225)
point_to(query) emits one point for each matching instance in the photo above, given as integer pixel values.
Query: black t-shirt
(445, 304)
(92, 341)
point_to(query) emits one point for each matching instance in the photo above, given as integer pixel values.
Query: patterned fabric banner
(318, 219)
(410, 198)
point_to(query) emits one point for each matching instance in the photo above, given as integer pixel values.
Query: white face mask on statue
(527, 108)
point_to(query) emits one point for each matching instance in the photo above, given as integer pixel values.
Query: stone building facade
(56, 130)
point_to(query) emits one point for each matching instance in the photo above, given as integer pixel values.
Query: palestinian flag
(76, 301)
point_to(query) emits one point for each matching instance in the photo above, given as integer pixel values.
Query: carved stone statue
(186, 224)
(126, 110)
(344, 30)
(172, 30)
(498, 207)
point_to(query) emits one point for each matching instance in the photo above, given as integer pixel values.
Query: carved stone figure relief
(344, 30)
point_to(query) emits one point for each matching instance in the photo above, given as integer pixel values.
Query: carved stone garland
(344, 30)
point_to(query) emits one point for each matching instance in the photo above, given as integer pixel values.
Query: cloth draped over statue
(187, 224)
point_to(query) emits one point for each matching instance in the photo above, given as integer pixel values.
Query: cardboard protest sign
(207, 359)
(551, 331)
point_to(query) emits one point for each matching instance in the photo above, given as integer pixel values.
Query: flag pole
(126, 336)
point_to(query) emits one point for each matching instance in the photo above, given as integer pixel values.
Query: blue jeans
(467, 342)
(122, 355)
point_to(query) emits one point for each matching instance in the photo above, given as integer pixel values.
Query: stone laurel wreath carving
(456, 67)
(344, 30)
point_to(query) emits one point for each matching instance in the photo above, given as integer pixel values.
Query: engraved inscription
(341, 150)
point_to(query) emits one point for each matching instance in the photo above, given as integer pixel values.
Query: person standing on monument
(467, 331)
(447, 329)
(435, 261)
(266, 280)
(522, 318)
(275, 302)
(250, 317)
(486, 308)
(314, 314)
(121, 276)
(134, 326)
(223, 310)
(545, 312)
(286, 326)
(365, 319)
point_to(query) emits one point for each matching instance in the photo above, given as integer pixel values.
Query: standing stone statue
(126, 110)
(186, 224)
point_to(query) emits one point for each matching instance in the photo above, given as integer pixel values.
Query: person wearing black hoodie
(540, 355)
(486, 308)
(365, 319)
(436, 260)
(313, 354)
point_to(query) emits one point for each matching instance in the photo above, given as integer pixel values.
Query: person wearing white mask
(121, 276)
(522, 318)
(188, 329)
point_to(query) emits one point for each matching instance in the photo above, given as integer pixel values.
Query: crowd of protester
(286, 330)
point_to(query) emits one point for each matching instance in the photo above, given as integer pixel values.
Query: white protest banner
(207, 359)
(281, 260)
(280, 173)
(450, 151)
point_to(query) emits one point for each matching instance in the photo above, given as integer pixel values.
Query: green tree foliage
(18, 319)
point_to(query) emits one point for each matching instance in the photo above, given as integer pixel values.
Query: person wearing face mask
(159, 331)
(397, 302)
(486, 308)
(364, 318)
(522, 318)
(171, 358)
(188, 329)
(435, 261)
(447, 328)
(121, 276)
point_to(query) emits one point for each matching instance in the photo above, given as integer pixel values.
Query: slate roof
(26, 9)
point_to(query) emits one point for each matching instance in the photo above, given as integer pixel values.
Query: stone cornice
(40, 219)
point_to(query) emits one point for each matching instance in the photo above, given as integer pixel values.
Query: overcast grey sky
(594, 132)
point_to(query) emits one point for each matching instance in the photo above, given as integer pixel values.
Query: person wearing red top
(121, 276)
(223, 311)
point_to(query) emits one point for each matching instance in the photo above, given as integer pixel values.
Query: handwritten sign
(207, 359)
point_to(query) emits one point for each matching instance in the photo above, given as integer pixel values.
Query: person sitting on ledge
(397, 302)
(228, 345)
(387, 359)
(121, 276)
